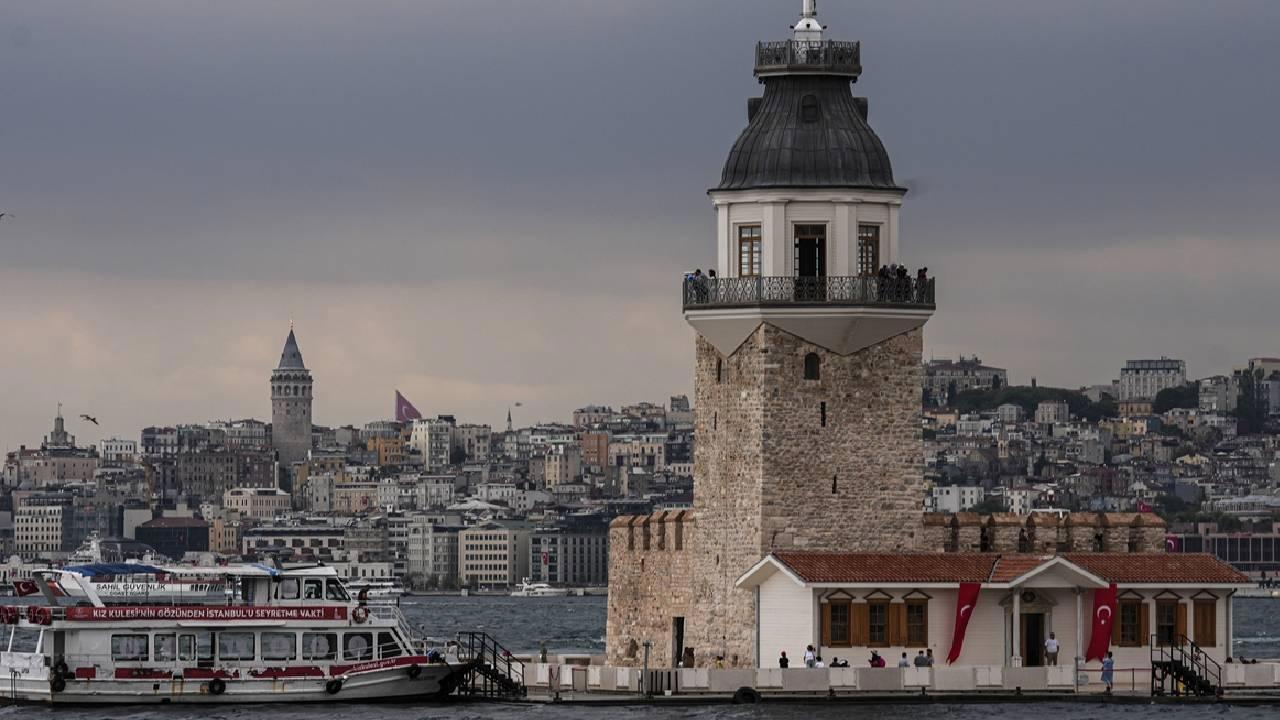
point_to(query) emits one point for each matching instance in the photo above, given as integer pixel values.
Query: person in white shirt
(818, 662)
(1051, 650)
(810, 657)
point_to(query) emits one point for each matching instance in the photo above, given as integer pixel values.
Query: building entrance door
(810, 262)
(677, 641)
(1033, 639)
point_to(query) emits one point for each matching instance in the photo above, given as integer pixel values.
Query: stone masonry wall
(648, 586)
(768, 475)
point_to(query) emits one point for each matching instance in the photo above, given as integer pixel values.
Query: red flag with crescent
(1104, 616)
(25, 587)
(405, 411)
(966, 601)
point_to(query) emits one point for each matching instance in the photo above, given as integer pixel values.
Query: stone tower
(808, 382)
(291, 405)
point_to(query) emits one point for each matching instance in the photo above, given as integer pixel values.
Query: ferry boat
(539, 589)
(377, 590)
(278, 635)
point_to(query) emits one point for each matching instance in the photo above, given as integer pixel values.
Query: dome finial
(808, 29)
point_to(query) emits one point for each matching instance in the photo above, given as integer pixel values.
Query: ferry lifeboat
(278, 635)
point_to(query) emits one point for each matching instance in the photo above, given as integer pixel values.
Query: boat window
(319, 646)
(357, 646)
(279, 645)
(387, 646)
(235, 646)
(287, 589)
(166, 648)
(129, 647)
(314, 589)
(187, 647)
(204, 645)
(334, 591)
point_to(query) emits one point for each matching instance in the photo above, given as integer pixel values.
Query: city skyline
(191, 182)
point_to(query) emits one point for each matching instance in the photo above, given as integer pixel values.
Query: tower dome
(807, 130)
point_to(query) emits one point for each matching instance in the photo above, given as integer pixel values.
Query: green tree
(1183, 396)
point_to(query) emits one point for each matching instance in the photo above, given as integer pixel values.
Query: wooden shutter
(1206, 620)
(897, 624)
(1144, 624)
(859, 625)
(1180, 630)
(826, 624)
(1116, 621)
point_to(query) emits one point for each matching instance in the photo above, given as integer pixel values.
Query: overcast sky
(484, 203)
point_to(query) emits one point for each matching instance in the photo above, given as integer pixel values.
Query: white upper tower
(808, 211)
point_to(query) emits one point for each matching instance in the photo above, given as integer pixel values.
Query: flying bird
(4, 215)
(86, 418)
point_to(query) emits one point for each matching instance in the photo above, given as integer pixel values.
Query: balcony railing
(870, 290)
(828, 57)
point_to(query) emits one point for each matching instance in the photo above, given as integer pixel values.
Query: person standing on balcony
(1051, 649)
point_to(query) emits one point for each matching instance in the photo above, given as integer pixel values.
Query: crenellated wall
(1043, 533)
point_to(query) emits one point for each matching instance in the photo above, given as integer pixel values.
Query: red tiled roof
(888, 567)
(1122, 568)
(1157, 567)
(1011, 567)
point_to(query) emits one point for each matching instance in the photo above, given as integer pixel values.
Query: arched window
(812, 367)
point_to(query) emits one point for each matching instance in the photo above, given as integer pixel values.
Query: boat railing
(391, 613)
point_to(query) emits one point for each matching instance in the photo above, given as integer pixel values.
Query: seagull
(86, 418)
(4, 215)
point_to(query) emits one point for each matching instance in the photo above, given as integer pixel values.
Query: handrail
(825, 56)
(873, 290)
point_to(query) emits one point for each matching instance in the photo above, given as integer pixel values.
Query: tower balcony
(814, 57)
(782, 292)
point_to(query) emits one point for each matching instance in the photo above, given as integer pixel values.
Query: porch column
(1017, 628)
(1079, 628)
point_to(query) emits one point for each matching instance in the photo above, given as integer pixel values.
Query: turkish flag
(405, 411)
(25, 587)
(966, 601)
(1104, 616)
(1172, 543)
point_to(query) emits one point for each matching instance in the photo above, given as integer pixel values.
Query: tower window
(813, 368)
(810, 109)
(823, 411)
(719, 370)
(868, 249)
(748, 250)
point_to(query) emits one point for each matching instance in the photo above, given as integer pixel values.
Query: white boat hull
(392, 684)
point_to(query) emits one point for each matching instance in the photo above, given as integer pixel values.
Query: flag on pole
(966, 600)
(1104, 616)
(1145, 508)
(25, 587)
(405, 411)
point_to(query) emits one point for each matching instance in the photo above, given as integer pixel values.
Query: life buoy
(746, 696)
(57, 683)
(414, 671)
(360, 615)
(39, 615)
(217, 686)
(11, 615)
(333, 686)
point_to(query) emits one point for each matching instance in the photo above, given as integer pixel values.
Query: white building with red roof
(847, 605)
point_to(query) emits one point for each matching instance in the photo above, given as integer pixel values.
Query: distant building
(1144, 379)
(571, 554)
(174, 537)
(1010, 414)
(945, 378)
(493, 554)
(954, 498)
(1049, 412)
(115, 451)
(257, 503)
(1219, 394)
(433, 440)
(291, 387)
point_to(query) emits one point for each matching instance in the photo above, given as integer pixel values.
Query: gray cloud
(487, 199)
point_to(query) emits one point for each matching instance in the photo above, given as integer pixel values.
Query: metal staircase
(1181, 668)
(492, 671)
